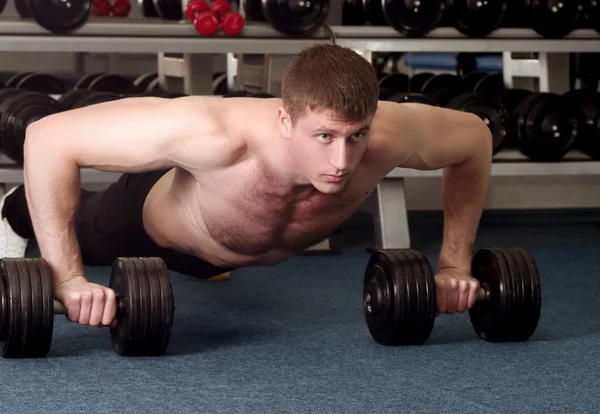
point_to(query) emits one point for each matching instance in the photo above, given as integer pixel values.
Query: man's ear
(285, 123)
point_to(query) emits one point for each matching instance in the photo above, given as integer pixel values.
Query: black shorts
(109, 225)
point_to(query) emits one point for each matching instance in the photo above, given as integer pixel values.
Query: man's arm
(461, 144)
(129, 135)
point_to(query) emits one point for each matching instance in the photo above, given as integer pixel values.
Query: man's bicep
(442, 136)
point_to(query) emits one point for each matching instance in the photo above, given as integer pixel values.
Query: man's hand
(456, 290)
(87, 303)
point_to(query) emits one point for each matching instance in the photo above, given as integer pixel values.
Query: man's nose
(340, 156)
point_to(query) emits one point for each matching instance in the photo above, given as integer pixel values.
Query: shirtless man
(213, 184)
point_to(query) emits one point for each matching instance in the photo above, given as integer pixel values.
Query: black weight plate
(147, 8)
(94, 98)
(6, 94)
(416, 82)
(68, 99)
(374, 12)
(413, 97)
(353, 13)
(527, 314)
(142, 82)
(17, 112)
(22, 9)
(46, 303)
(14, 80)
(112, 83)
(168, 305)
(593, 13)
(586, 103)
(4, 314)
(84, 81)
(476, 18)
(554, 18)
(413, 18)
(60, 16)
(470, 80)
(168, 9)
(492, 84)
(532, 294)
(548, 129)
(2, 5)
(442, 88)
(425, 294)
(42, 83)
(394, 82)
(253, 11)
(489, 317)
(490, 110)
(29, 309)
(219, 85)
(293, 17)
(510, 99)
(124, 281)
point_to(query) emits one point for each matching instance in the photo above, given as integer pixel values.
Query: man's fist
(456, 290)
(87, 303)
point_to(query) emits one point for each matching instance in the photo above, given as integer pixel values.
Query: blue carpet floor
(292, 339)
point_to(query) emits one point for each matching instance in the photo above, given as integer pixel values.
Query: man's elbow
(482, 139)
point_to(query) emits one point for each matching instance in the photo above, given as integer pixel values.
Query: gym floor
(292, 338)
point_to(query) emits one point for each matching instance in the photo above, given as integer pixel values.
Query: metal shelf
(113, 35)
(511, 162)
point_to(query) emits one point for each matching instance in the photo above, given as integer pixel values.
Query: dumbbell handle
(482, 295)
(59, 308)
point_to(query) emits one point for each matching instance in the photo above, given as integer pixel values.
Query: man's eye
(323, 138)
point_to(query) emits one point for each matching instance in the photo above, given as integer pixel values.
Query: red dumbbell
(121, 8)
(206, 23)
(194, 8)
(231, 23)
(101, 8)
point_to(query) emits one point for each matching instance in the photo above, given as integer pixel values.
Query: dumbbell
(2, 5)
(299, 18)
(208, 18)
(56, 16)
(18, 110)
(145, 307)
(546, 126)
(586, 104)
(399, 296)
(411, 19)
(477, 18)
(104, 8)
(37, 82)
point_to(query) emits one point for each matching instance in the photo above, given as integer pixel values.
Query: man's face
(326, 150)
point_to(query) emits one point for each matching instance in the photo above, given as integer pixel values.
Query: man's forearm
(52, 187)
(464, 190)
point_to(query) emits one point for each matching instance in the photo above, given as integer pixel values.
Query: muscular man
(213, 184)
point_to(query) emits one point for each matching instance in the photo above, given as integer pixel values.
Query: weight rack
(109, 35)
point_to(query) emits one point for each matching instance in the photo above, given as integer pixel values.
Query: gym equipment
(84, 81)
(60, 16)
(69, 99)
(483, 82)
(146, 82)
(546, 126)
(18, 109)
(111, 83)
(441, 88)
(353, 13)
(168, 9)
(411, 97)
(510, 98)
(291, 17)
(95, 97)
(39, 82)
(253, 11)
(121, 8)
(147, 8)
(394, 82)
(587, 109)
(145, 307)
(593, 13)
(555, 18)
(14, 80)
(412, 18)
(477, 18)
(22, 9)
(415, 83)
(399, 296)
(489, 109)
(101, 8)
(2, 5)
